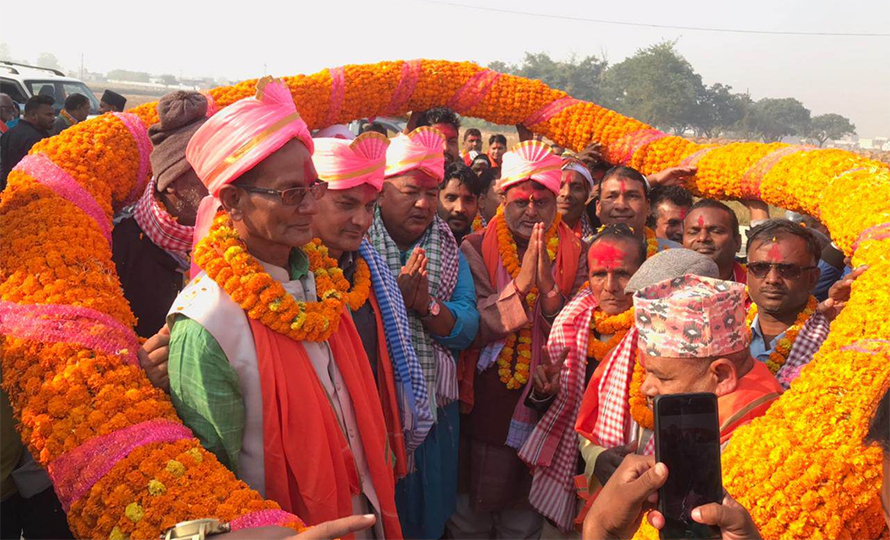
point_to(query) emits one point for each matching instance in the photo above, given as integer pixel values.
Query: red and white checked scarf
(552, 448)
(613, 419)
(162, 228)
(807, 343)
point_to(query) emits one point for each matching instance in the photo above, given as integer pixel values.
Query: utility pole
(81, 66)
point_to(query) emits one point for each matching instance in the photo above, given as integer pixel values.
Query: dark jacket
(15, 144)
(149, 276)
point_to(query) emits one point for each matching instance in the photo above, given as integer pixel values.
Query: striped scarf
(413, 395)
(437, 362)
(552, 448)
(162, 228)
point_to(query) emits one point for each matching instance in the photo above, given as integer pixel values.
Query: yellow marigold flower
(156, 487)
(134, 512)
(175, 468)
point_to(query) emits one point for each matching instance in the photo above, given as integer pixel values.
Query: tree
(718, 110)
(775, 119)
(578, 78)
(657, 86)
(829, 126)
(5, 52)
(168, 79)
(48, 60)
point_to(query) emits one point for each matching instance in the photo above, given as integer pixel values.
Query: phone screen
(687, 440)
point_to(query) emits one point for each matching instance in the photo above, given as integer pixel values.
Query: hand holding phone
(687, 441)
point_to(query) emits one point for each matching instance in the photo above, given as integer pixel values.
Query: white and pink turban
(422, 149)
(345, 164)
(531, 160)
(237, 138)
(572, 164)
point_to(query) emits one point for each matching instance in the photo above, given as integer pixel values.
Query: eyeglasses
(292, 196)
(785, 270)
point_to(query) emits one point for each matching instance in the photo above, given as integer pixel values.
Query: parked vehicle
(21, 81)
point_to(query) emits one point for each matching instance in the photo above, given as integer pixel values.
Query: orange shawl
(309, 467)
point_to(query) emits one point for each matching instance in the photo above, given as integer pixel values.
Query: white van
(21, 81)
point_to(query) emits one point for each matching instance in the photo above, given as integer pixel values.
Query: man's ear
(724, 371)
(233, 199)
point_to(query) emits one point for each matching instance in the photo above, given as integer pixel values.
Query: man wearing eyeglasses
(787, 324)
(266, 366)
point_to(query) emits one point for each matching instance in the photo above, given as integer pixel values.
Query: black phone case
(703, 532)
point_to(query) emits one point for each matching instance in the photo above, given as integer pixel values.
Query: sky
(848, 75)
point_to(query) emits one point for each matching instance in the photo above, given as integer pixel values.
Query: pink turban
(345, 164)
(422, 149)
(337, 131)
(691, 317)
(245, 133)
(237, 138)
(531, 160)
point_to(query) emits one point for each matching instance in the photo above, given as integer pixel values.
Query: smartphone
(687, 440)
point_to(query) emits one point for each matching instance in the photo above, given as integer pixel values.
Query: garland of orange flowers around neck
(517, 377)
(603, 324)
(224, 256)
(779, 356)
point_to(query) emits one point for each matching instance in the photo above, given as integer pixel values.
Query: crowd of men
(18, 133)
(524, 308)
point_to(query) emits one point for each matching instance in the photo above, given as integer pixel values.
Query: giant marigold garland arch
(123, 464)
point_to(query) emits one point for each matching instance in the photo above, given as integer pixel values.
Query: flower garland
(639, 403)
(651, 242)
(806, 449)
(779, 356)
(223, 255)
(604, 324)
(320, 259)
(120, 460)
(517, 377)
(477, 223)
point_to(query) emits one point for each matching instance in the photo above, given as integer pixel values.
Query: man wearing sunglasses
(266, 366)
(787, 325)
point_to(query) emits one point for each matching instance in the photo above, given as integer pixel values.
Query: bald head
(7, 109)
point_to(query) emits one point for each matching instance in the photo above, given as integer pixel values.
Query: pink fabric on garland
(42, 169)
(140, 135)
(74, 473)
(263, 518)
(56, 323)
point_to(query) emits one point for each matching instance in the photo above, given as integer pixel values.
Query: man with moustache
(588, 328)
(353, 172)
(575, 189)
(438, 291)
(712, 229)
(266, 366)
(624, 198)
(459, 199)
(526, 264)
(472, 145)
(787, 324)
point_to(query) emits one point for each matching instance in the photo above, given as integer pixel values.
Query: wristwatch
(552, 292)
(433, 309)
(197, 529)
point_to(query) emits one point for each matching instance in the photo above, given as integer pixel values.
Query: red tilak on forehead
(606, 254)
(682, 214)
(701, 221)
(522, 192)
(623, 186)
(775, 252)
